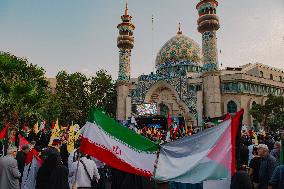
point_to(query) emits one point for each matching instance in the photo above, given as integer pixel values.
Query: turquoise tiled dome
(180, 49)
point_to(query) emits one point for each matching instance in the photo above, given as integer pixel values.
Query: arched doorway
(168, 100)
(232, 107)
(164, 109)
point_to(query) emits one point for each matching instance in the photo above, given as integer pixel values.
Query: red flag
(32, 153)
(3, 133)
(236, 122)
(169, 120)
(52, 125)
(22, 141)
(228, 116)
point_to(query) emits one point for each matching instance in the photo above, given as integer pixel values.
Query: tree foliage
(23, 90)
(25, 97)
(271, 114)
(103, 93)
(52, 109)
(76, 93)
(72, 96)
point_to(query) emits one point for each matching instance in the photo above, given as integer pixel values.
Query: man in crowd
(240, 179)
(53, 149)
(21, 158)
(87, 170)
(267, 166)
(277, 179)
(254, 167)
(9, 172)
(275, 152)
(100, 165)
(52, 174)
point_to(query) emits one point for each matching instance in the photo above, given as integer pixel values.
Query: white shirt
(250, 148)
(99, 163)
(70, 159)
(82, 177)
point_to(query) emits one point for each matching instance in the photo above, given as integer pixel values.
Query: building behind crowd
(188, 81)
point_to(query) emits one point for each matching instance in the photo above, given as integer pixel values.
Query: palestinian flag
(208, 155)
(32, 164)
(3, 133)
(117, 146)
(22, 141)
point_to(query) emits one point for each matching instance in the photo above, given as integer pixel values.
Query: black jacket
(241, 180)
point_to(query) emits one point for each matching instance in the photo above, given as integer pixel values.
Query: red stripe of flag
(109, 158)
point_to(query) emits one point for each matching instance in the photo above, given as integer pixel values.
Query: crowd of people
(59, 169)
(161, 135)
(258, 166)
(259, 163)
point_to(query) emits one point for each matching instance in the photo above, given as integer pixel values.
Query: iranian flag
(117, 146)
(32, 164)
(207, 155)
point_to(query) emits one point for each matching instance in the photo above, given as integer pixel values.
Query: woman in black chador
(52, 174)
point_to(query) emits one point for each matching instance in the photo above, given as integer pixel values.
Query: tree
(72, 96)
(103, 93)
(23, 90)
(276, 122)
(270, 114)
(76, 94)
(52, 109)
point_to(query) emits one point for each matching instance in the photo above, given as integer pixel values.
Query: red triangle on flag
(22, 141)
(31, 154)
(3, 133)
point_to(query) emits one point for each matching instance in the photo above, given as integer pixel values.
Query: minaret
(125, 43)
(208, 24)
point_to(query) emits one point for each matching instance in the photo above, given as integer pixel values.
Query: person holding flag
(52, 174)
(32, 164)
(21, 158)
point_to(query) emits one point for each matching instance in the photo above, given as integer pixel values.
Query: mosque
(188, 81)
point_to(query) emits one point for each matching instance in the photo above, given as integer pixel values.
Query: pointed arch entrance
(168, 100)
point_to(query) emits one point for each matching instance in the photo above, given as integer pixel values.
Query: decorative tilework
(124, 65)
(205, 6)
(210, 52)
(179, 49)
(125, 43)
(178, 81)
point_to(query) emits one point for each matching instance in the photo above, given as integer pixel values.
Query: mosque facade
(188, 81)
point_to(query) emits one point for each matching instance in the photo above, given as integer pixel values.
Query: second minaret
(125, 43)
